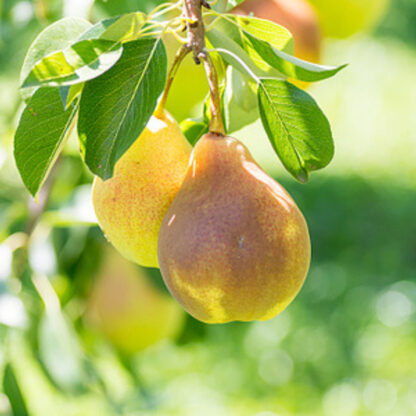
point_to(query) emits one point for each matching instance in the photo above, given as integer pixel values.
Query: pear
(233, 245)
(128, 309)
(131, 205)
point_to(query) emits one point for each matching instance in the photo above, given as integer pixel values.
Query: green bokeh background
(347, 344)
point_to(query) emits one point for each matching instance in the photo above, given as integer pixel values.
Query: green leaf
(194, 129)
(228, 32)
(256, 37)
(40, 136)
(226, 5)
(69, 94)
(79, 62)
(14, 394)
(121, 28)
(116, 107)
(296, 126)
(289, 65)
(54, 38)
(60, 352)
(240, 101)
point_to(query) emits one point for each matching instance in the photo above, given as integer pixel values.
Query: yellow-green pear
(233, 246)
(131, 205)
(128, 309)
(344, 18)
(190, 86)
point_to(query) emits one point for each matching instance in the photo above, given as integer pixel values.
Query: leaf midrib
(289, 136)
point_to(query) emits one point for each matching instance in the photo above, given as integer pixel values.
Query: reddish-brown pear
(233, 245)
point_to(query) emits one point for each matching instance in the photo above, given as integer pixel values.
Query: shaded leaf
(60, 352)
(40, 136)
(296, 127)
(240, 101)
(194, 129)
(79, 62)
(69, 94)
(116, 107)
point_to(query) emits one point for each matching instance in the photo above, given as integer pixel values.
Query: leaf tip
(302, 176)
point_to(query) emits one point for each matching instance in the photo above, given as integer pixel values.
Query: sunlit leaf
(296, 126)
(79, 62)
(229, 31)
(123, 28)
(13, 392)
(263, 43)
(55, 37)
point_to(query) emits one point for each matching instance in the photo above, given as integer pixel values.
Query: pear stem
(182, 52)
(192, 10)
(216, 122)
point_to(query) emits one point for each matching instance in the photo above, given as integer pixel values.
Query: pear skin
(131, 205)
(233, 245)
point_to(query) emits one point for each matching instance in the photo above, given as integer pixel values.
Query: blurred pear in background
(129, 309)
(344, 18)
(345, 347)
(190, 86)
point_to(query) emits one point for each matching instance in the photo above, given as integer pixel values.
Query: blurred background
(82, 331)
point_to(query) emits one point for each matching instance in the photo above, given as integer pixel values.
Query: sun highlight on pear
(233, 245)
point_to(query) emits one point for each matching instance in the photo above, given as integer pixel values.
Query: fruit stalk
(196, 42)
(216, 123)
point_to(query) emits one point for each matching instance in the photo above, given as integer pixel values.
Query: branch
(192, 11)
(196, 42)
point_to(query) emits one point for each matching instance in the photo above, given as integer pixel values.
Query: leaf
(296, 126)
(69, 94)
(54, 38)
(193, 129)
(116, 107)
(79, 62)
(40, 136)
(60, 352)
(228, 32)
(121, 29)
(289, 65)
(226, 5)
(255, 36)
(240, 101)
(14, 394)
